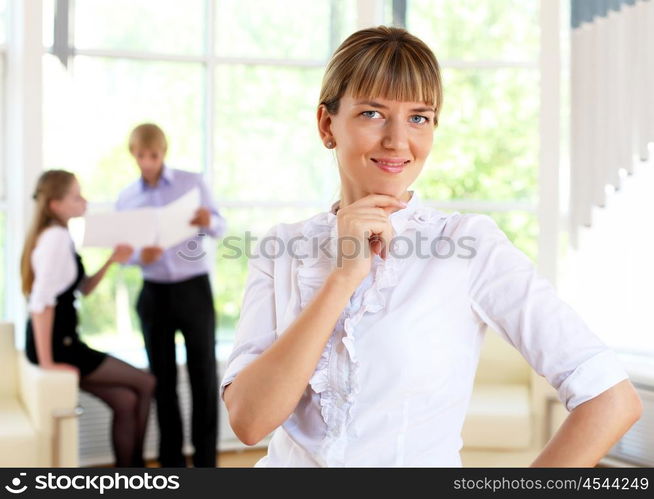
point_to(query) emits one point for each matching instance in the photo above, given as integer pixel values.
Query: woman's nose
(395, 135)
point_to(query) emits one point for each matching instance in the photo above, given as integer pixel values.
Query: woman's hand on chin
(364, 228)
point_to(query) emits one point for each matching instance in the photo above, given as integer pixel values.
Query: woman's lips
(390, 165)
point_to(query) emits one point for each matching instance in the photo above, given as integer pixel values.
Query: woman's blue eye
(420, 117)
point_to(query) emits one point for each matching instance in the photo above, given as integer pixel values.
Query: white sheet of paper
(138, 228)
(174, 219)
(163, 226)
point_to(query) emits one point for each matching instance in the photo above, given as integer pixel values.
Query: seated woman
(51, 273)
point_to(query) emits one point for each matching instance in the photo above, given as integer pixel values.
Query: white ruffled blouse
(395, 378)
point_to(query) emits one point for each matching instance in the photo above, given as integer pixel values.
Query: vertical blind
(612, 98)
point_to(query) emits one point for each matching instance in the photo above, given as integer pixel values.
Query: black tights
(128, 392)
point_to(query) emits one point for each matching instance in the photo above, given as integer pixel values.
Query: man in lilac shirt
(176, 295)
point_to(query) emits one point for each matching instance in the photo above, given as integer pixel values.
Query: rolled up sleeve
(256, 327)
(508, 294)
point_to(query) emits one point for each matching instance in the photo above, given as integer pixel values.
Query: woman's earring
(330, 144)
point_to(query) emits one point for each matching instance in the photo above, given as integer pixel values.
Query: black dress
(67, 346)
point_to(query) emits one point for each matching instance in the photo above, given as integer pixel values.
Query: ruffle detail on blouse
(311, 274)
(317, 252)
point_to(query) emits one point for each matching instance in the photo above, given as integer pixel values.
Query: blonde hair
(385, 62)
(147, 136)
(52, 184)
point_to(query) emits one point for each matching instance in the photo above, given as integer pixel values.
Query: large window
(3, 197)
(266, 93)
(235, 86)
(485, 156)
(229, 75)
(3, 21)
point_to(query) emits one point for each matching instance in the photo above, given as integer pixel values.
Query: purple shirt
(188, 258)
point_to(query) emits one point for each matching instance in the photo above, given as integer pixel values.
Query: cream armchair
(38, 411)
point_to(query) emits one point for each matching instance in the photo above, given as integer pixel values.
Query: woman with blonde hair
(361, 328)
(52, 272)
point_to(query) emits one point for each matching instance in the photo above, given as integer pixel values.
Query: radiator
(95, 426)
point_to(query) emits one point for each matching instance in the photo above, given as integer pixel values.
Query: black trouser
(186, 306)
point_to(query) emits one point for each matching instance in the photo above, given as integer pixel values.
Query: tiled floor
(240, 459)
(232, 459)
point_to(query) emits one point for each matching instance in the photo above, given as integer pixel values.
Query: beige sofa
(38, 411)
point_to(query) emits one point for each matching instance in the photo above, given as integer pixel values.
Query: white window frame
(546, 208)
(4, 169)
(24, 155)
(23, 139)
